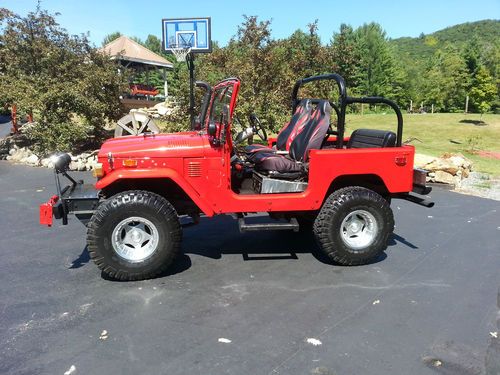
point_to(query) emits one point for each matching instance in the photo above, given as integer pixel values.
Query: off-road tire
(336, 208)
(135, 203)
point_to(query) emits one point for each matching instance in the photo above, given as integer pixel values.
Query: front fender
(121, 174)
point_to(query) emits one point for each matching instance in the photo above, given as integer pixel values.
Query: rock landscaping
(449, 169)
(16, 151)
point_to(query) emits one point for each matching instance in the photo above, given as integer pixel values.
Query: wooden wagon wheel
(135, 123)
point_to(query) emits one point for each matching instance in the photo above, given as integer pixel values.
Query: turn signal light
(98, 172)
(401, 160)
(130, 163)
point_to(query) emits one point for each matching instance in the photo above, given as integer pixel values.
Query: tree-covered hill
(485, 33)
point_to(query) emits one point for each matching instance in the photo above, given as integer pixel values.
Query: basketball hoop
(183, 38)
(180, 52)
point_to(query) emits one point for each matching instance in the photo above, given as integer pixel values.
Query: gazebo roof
(126, 49)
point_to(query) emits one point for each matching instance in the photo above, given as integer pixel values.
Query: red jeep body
(194, 172)
(203, 170)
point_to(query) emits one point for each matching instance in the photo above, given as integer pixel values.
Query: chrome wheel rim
(359, 229)
(135, 239)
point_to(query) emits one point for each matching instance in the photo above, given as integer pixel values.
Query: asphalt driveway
(258, 303)
(5, 125)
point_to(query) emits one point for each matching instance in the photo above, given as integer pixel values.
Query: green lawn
(443, 132)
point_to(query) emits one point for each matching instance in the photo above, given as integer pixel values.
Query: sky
(140, 18)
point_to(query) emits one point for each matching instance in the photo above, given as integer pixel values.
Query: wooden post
(432, 108)
(411, 106)
(362, 109)
(466, 104)
(165, 84)
(13, 117)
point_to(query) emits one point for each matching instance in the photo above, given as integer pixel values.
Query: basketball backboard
(187, 32)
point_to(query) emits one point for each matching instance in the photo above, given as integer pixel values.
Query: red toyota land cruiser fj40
(311, 177)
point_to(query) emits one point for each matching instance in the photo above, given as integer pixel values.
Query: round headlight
(61, 162)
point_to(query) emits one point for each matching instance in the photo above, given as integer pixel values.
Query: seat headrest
(304, 104)
(371, 138)
(324, 107)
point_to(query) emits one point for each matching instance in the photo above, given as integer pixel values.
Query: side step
(413, 198)
(291, 225)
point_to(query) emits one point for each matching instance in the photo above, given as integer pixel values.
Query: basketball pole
(190, 64)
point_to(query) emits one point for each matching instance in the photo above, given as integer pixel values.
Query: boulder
(77, 165)
(91, 161)
(422, 160)
(32, 159)
(444, 178)
(460, 161)
(20, 155)
(443, 165)
(47, 163)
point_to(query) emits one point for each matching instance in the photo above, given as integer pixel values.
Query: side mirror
(212, 129)
(197, 123)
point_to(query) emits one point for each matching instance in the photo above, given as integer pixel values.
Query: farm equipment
(143, 90)
(142, 120)
(311, 177)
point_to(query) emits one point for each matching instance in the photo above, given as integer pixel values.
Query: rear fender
(167, 173)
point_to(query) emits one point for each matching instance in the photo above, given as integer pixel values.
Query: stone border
(23, 155)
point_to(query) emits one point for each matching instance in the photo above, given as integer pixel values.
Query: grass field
(443, 132)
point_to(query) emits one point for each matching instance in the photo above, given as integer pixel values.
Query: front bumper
(78, 198)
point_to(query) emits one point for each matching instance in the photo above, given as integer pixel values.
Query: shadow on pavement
(181, 264)
(396, 238)
(263, 246)
(82, 259)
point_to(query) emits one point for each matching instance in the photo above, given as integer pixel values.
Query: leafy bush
(65, 136)
(71, 88)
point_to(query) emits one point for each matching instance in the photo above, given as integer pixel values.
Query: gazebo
(134, 56)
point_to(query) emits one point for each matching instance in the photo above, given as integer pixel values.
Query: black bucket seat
(311, 137)
(288, 133)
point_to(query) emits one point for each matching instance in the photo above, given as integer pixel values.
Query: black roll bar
(390, 103)
(344, 101)
(332, 76)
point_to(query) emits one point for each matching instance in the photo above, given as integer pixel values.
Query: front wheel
(354, 225)
(134, 235)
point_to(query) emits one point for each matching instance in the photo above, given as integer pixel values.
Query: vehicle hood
(186, 144)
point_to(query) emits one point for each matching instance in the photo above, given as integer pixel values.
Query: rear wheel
(134, 235)
(354, 225)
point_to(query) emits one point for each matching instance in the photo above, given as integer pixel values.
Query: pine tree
(376, 69)
(345, 54)
(484, 91)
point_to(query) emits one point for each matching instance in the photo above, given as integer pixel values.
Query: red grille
(194, 169)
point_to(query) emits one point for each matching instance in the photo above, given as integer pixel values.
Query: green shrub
(70, 136)
(71, 88)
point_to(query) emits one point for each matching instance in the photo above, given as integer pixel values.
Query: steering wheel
(257, 127)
